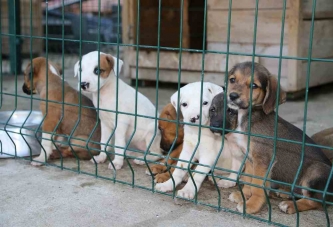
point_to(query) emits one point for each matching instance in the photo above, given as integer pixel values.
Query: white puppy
(209, 144)
(144, 130)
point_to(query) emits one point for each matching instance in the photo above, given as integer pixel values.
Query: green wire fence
(130, 174)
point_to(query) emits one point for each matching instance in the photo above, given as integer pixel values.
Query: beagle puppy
(316, 166)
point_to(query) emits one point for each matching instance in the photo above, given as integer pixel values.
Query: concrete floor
(47, 196)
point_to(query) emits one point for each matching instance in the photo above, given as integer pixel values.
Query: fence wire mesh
(59, 30)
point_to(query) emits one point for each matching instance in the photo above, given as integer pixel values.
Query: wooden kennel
(269, 23)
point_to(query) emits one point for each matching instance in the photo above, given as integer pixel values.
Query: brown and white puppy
(46, 82)
(316, 167)
(168, 136)
(325, 138)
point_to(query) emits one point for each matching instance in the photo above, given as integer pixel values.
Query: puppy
(100, 79)
(168, 136)
(48, 84)
(325, 138)
(217, 115)
(208, 146)
(316, 166)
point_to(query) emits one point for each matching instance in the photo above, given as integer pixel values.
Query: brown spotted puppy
(325, 138)
(316, 167)
(168, 136)
(60, 118)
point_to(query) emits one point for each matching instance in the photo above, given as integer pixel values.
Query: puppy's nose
(84, 85)
(233, 96)
(193, 119)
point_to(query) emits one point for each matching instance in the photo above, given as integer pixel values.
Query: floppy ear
(58, 67)
(214, 89)
(270, 97)
(115, 68)
(76, 69)
(174, 102)
(29, 71)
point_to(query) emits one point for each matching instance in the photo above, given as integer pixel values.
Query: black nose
(233, 96)
(193, 119)
(84, 85)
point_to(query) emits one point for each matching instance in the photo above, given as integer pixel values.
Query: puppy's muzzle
(216, 128)
(194, 119)
(26, 89)
(84, 85)
(233, 96)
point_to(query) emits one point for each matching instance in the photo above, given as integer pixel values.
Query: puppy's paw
(240, 206)
(226, 184)
(186, 193)
(157, 169)
(251, 207)
(148, 173)
(235, 197)
(98, 159)
(165, 187)
(162, 177)
(38, 161)
(117, 165)
(139, 162)
(287, 207)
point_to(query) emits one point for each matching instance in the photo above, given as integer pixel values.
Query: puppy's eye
(161, 129)
(184, 104)
(232, 80)
(205, 103)
(212, 109)
(254, 86)
(98, 71)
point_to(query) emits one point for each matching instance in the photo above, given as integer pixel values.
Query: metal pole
(14, 18)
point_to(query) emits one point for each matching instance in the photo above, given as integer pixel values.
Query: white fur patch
(53, 70)
(283, 206)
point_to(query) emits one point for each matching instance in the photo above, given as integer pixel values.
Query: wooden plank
(190, 61)
(322, 38)
(324, 9)
(272, 64)
(166, 75)
(245, 4)
(242, 26)
(320, 73)
(294, 41)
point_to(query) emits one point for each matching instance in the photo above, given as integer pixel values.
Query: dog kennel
(242, 33)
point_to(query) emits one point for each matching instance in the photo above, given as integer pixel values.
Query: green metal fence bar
(225, 109)
(305, 106)
(13, 59)
(156, 94)
(14, 19)
(276, 106)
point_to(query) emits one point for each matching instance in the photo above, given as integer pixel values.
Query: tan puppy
(168, 131)
(316, 167)
(325, 138)
(49, 85)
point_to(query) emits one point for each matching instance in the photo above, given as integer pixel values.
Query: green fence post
(14, 19)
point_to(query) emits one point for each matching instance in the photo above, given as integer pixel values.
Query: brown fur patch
(106, 65)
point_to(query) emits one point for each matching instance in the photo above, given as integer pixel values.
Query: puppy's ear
(117, 64)
(76, 69)
(214, 89)
(59, 68)
(174, 102)
(29, 71)
(270, 97)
